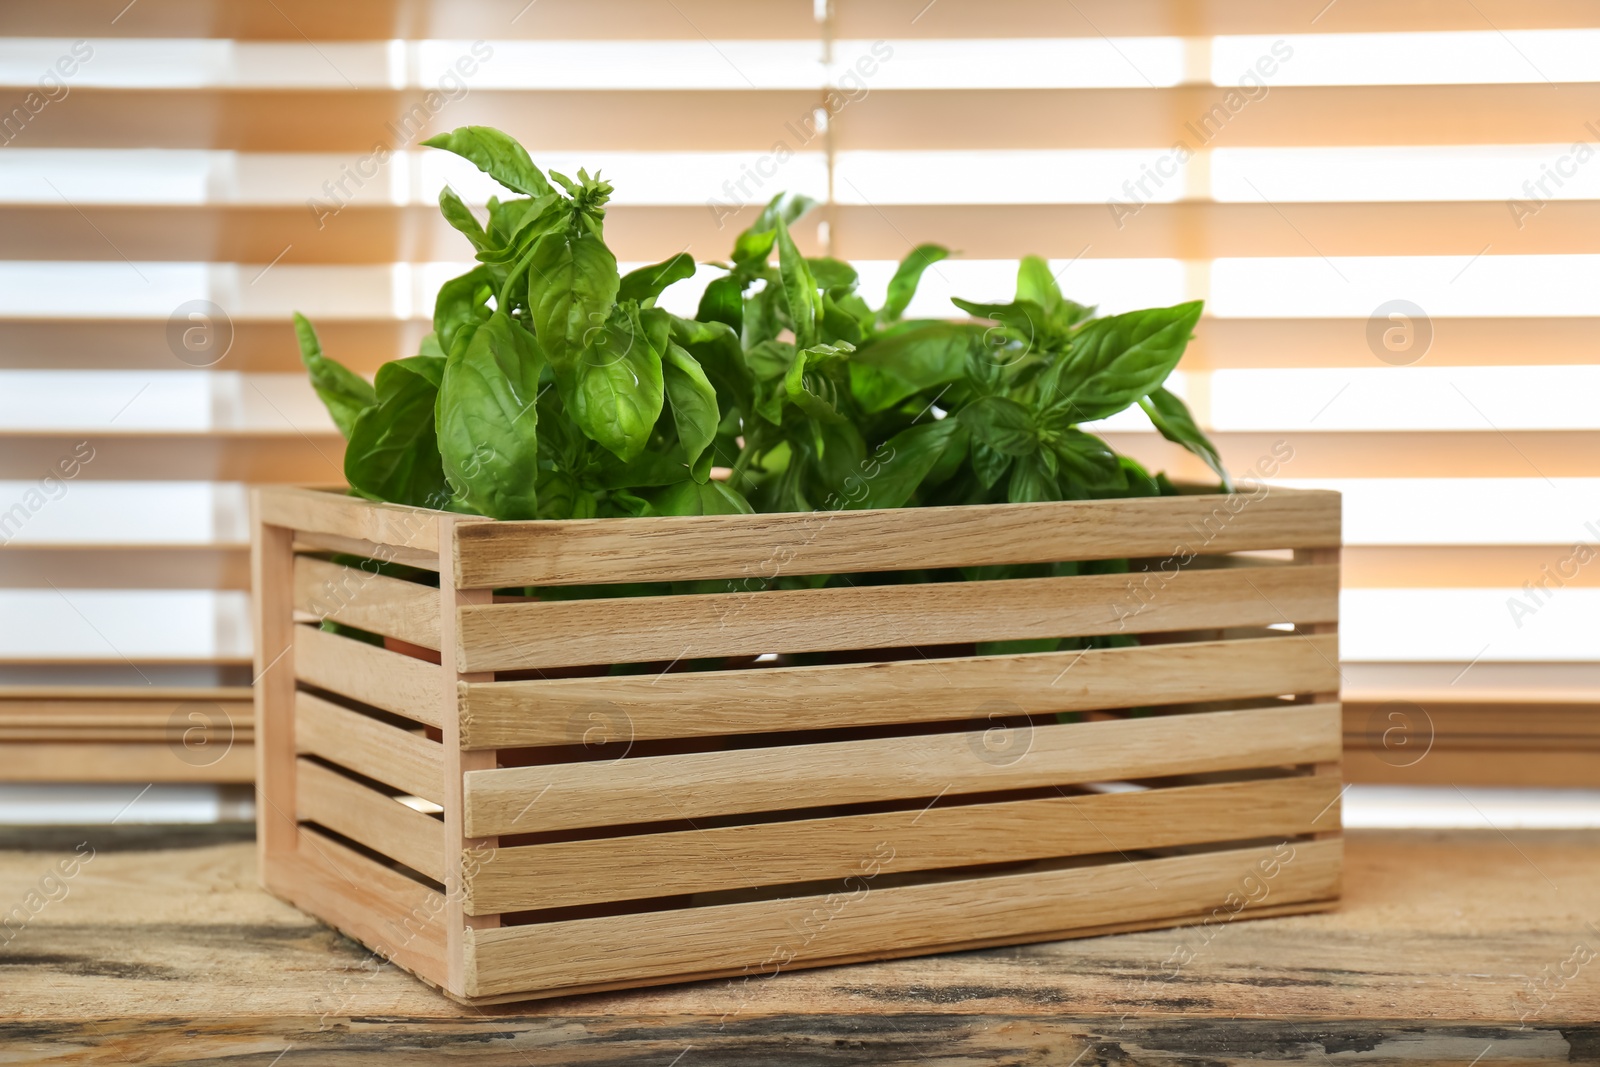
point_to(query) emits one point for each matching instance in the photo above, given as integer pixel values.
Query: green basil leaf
(645, 470)
(497, 155)
(1026, 321)
(1117, 360)
(344, 392)
(715, 346)
(830, 273)
(696, 498)
(839, 325)
(487, 421)
(1088, 461)
(519, 223)
(989, 464)
(394, 453)
(723, 301)
(646, 283)
(760, 319)
(899, 365)
(769, 360)
(809, 385)
(1032, 482)
(1037, 285)
(572, 288)
(841, 462)
(459, 216)
(907, 276)
(1171, 416)
(462, 302)
(955, 454)
(754, 245)
(618, 391)
(1002, 424)
(799, 290)
(893, 472)
(694, 402)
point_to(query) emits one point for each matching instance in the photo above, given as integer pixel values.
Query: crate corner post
(272, 571)
(461, 851)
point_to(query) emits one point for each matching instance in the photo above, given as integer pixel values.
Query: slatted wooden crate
(790, 778)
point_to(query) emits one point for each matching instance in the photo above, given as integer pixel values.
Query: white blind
(1390, 209)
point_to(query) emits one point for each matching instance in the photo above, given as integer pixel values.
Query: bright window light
(1466, 57)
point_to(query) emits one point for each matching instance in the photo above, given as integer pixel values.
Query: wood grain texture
(463, 850)
(704, 704)
(366, 600)
(307, 541)
(362, 814)
(273, 678)
(736, 939)
(1563, 767)
(657, 788)
(165, 952)
(672, 548)
(125, 761)
(323, 511)
(398, 919)
(566, 873)
(372, 675)
(536, 635)
(400, 758)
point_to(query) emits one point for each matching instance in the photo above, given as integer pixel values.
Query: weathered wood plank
(673, 548)
(562, 633)
(655, 788)
(557, 711)
(164, 951)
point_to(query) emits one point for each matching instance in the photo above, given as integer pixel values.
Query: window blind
(1390, 209)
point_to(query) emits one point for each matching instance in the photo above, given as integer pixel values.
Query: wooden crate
(482, 803)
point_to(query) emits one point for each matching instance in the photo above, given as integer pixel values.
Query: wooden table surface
(1451, 947)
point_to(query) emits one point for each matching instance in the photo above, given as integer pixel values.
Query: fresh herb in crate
(553, 387)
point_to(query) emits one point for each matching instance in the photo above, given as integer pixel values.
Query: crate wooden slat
(672, 548)
(367, 600)
(534, 635)
(564, 873)
(540, 712)
(659, 788)
(387, 680)
(374, 819)
(387, 753)
(882, 788)
(733, 939)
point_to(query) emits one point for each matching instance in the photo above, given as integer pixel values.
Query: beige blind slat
(241, 233)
